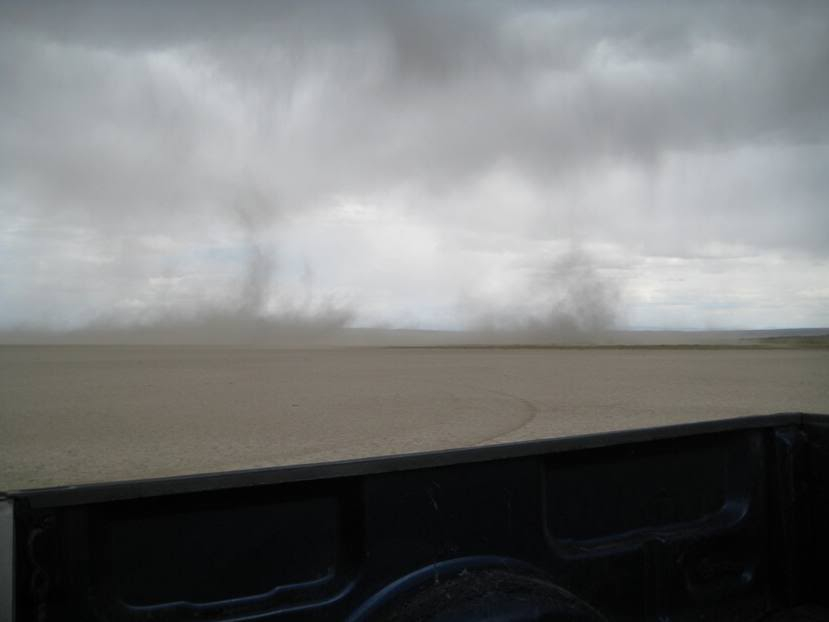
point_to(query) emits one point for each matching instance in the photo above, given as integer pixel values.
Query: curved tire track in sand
(530, 413)
(530, 409)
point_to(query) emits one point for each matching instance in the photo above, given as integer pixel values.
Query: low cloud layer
(422, 165)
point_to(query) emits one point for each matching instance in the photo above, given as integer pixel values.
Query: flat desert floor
(74, 414)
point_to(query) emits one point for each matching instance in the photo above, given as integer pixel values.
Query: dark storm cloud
(669, 129)
(436, 92)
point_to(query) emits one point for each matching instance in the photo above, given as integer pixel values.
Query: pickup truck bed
(721, 520)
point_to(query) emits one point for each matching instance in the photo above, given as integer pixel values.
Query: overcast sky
(416, 164)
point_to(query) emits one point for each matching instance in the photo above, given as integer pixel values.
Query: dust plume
(255, 316)
(569, 301)
(261, 264)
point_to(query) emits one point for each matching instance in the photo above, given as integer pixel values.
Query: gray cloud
(686, 131)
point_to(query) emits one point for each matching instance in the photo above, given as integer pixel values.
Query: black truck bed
(722, 520)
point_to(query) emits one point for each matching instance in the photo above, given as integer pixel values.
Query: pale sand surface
(71, 415)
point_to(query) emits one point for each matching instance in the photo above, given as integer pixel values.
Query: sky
(436, 165)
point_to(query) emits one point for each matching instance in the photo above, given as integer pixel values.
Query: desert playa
(79, 414)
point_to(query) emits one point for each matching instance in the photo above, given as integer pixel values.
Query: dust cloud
(247, 318)
(568, 302)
